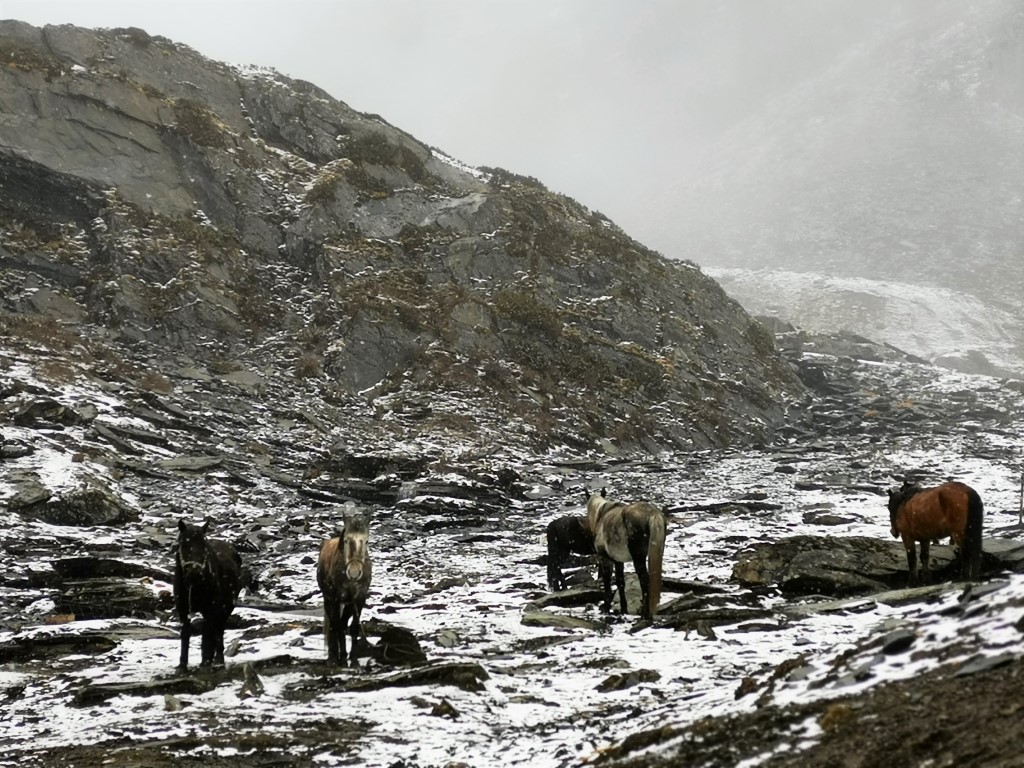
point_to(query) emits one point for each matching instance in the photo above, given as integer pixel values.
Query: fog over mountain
(900, 162)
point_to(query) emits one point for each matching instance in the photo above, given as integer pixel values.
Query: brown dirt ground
(934, 721)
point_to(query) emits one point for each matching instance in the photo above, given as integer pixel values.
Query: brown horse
(343, 572)
(922, 514)
(625, 532)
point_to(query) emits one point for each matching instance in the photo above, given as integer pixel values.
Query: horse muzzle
(895, 533)
(193, 569)
(354, 569)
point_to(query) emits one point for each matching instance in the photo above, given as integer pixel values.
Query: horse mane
(907, 491)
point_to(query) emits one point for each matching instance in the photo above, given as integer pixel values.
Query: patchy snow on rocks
(520, 676)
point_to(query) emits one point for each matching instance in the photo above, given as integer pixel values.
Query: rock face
(832, 566)
(852, 565)
(168, 213)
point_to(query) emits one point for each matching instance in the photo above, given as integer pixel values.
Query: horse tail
(972, 533)
(655, 551)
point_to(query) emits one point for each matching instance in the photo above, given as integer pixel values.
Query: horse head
(193, 551)
(354, 538)
(897, 497)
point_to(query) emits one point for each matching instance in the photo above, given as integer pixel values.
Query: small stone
(449, 638)
(898, 641)
(252, 686)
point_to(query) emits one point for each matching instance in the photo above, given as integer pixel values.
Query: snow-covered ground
(463, 590)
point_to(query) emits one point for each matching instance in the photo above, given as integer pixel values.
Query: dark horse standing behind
(566, 536)
(208, 576)
(624, 532)
(343, 572)
(922, 514)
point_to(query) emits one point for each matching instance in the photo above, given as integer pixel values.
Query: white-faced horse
(343, 572)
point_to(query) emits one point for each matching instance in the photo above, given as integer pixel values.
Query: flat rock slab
(709, 617)
(467, 676)
(855, 565)
(620, 682)
(109, 597)
(97, 693)
(191, 463)
(536, 618)
(567, 598)
(827, 565)
(51, 646)
(863, 603)
(87, 567)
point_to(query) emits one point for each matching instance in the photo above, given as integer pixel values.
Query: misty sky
(603, 100)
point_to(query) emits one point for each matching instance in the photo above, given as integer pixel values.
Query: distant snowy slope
(897, 169)
(925, 321)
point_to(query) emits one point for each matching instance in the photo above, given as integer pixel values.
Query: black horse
(208, 576)
(343, 571)
(566, 536)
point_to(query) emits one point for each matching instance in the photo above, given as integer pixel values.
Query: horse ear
(206, 525)
(604, 492)
(181, 525)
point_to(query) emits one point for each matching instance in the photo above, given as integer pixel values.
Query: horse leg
(620, 583)
(555, 578)
(638, 551)
(911, 563)
(207, 643)
(332, 630)
(186, 636)
(218, 642)
(926, 574)
(347, 621)
(645, 587)
(605, 567)
(355, 628)
(960, 555)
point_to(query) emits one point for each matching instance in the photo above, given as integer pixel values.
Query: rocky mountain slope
(180, 217)
(899, 162)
